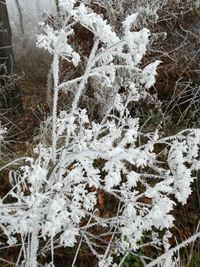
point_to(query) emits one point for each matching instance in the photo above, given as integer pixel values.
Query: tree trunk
(57, 7)
(21, 22)
(9, 89)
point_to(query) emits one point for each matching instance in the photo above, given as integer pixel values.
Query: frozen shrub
(55, 193)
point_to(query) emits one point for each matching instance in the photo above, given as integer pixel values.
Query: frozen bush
(55, 193)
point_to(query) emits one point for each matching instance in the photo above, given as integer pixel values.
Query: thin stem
(89, 66)
(77, 251)
(123, 259)
(55, 71)
(52, 250)
(173, 250)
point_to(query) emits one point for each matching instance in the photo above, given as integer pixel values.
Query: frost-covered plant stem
(79, 246)
(89, 66)
(55, 71)
(171, 251)
(34, 249)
